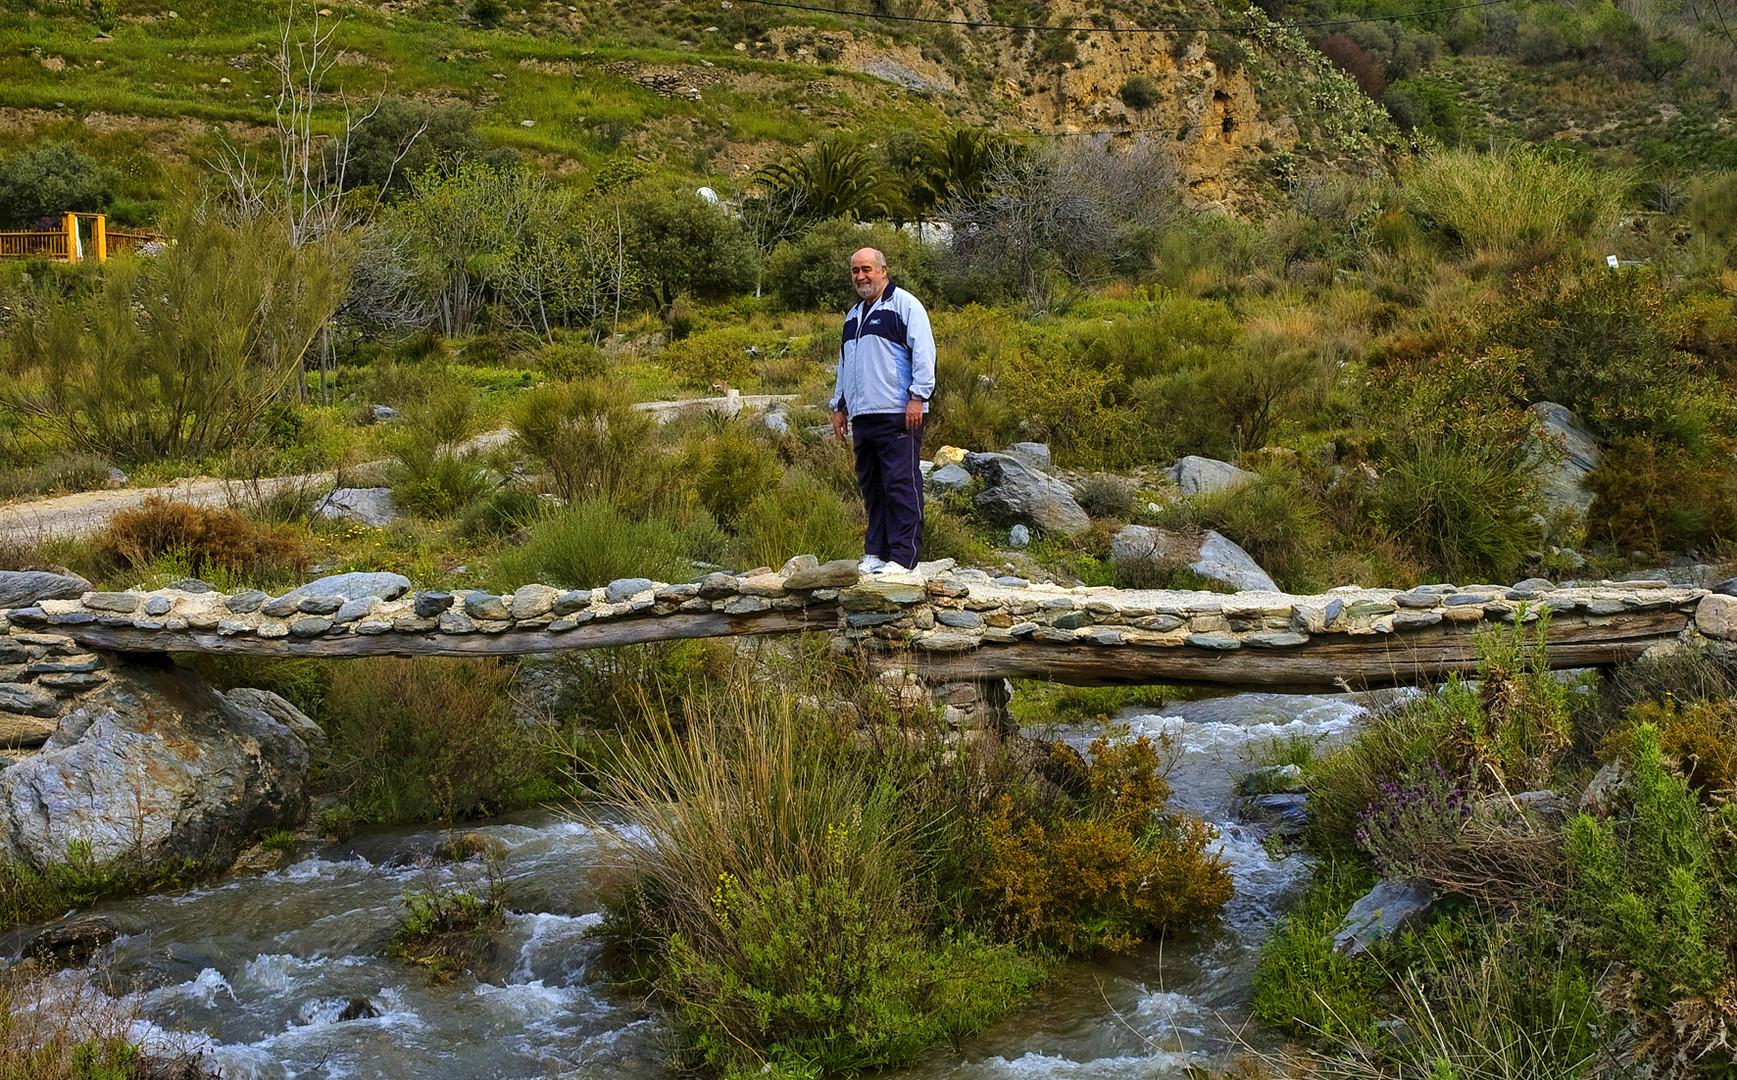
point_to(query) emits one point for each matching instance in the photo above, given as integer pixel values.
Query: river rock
(368, 506)
(1286, 811)
(1562, 474)
(1209, 554)
(623, 589)
(1200, 475)
(1018, 537)
(1015, 493)
(1380, 913)
(837, 574)
(1716, 616)
(339, 587)
(68, 942)
(154, 766)
(22, 588)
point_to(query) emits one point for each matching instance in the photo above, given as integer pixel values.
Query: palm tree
(953, 166)
(838, 178)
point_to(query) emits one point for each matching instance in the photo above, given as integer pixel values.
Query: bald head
(868, 273)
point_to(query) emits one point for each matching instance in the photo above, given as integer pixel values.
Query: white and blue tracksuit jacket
(888, 355)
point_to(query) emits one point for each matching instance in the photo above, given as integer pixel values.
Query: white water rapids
(261, 971)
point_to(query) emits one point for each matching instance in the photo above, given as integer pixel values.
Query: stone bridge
(961, 632)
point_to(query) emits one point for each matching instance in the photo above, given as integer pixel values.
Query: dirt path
(86, 512)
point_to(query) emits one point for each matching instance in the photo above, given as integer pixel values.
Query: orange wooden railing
(62, 244)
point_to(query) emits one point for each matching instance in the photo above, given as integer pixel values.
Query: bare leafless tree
(308, 184)
(1067, 210)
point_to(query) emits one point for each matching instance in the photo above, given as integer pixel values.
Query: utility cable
(972, 24)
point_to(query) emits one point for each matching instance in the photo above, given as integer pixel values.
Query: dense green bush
(589, 437)
(182, 354)
(1654, 891)
(592, 542)
(713, 360)
(49, 180)
(799, 515)
(731, 471)
(423, 738)
(813, 272)
(777, 909)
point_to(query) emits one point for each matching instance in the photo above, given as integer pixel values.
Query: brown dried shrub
(1349, 57)
(1699, 742)
(204, 536)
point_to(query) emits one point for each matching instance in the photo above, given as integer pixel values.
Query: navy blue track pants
(889, 472)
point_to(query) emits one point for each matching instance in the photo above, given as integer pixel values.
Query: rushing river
(266, 972)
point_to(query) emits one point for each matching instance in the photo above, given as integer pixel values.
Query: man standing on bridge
(886, 374)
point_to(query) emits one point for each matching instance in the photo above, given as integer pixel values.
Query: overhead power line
(972, 24)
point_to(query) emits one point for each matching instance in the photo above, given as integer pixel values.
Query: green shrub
(1107, 495)
(1302, 985)
(733, 470)
(800, 515)
(64, 473)
(1518, 197)
(569, 360)
(592, 542)
(776, 909)
(424, 739)
(1652, 496)
(1071, 407)
(1654, 895)
(446, 929)
(228, 314)
(437, 482)
(499, 513)
(589, 436)
(1140, 93)
(1462, 506)
(712, 360)
(1274, 520)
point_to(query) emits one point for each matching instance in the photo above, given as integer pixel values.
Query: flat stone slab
(22, 588)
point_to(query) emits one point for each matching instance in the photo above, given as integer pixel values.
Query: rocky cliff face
(1205, 108)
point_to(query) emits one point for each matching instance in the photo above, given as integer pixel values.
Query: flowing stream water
(267, 973)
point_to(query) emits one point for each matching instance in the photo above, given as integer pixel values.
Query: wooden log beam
(1327, 663)
(591, 636)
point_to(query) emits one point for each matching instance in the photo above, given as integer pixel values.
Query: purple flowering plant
(1422, 808)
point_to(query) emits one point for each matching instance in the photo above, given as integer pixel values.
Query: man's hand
(838, 421)
(913, 415)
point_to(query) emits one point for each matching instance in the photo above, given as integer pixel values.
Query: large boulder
(1201, 475)
(1014, 493)
(155, 766)
(1573, 454)
(1138, 548)
(22, 588)
(369, 506)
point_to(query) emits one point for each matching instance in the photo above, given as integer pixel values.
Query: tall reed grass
(1516, 198)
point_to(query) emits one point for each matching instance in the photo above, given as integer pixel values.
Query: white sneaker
(871, 564)
(894, 568)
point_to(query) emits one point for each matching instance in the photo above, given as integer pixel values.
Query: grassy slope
(553, 70)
